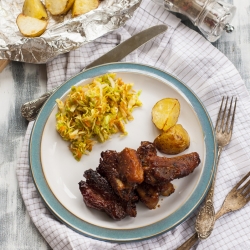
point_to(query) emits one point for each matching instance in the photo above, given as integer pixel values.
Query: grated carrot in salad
(95, 111)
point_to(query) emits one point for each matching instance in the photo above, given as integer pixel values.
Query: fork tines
(223, 114)
(245, 189)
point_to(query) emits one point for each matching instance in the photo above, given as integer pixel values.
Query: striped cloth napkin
(189, 57)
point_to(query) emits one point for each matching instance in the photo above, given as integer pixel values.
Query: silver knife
(29, 110)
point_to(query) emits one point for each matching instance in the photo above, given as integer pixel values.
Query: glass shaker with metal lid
(210, 16)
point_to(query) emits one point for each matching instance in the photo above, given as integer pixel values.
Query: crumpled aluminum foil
(63, 33)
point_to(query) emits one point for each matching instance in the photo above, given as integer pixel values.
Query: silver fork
(223, 132)
(236, 199)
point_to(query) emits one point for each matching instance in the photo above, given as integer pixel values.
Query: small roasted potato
(83, 6)
(173, 141)
(34, 8)
(165, 113)
(30, 26)
(56, 7)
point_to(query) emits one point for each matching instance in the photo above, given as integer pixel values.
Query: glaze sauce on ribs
(124, 178)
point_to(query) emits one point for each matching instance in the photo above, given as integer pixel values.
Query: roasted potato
(83, 6)
(30, 26)
(34, 8)
(173, 141)
(165, 113)
(56, 7)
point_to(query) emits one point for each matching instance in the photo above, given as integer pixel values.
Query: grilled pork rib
(123, 171)
(98, 194)
(147, 149)
(163, 169)
(149, 195)
(121, 179)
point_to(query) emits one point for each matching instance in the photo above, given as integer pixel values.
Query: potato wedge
(83, 6)
(35, 8)
(173, 141)
(30, 26)
(165, 113)
(56, 7)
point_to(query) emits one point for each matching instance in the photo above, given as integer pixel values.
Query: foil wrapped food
(63, 33)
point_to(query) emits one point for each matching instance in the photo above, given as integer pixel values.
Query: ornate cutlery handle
(206, 218)
(194, 238)
(29, 110)
(189, 243)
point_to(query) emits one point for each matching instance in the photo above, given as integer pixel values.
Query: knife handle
(29, 110)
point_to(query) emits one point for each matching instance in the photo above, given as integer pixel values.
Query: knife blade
(128, 46)
(30, 110)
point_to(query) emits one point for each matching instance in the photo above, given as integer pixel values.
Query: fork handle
(189, 243)
(211, 190)
(194, 238)
(209, 199)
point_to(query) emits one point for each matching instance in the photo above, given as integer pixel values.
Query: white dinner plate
(57, 174)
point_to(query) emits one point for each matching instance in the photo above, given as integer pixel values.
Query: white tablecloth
(188, 56)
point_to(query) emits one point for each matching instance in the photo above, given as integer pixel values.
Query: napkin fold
(189, 57)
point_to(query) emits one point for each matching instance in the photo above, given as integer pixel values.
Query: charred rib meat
(166, 189)
(149, 194)
(147, 149)
(123, 171)
(121, 179)
(163, 169)
(129, 166)
(98, 194)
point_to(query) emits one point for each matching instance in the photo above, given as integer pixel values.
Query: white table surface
(21, 82)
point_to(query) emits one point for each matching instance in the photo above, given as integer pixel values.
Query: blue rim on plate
(125, 235)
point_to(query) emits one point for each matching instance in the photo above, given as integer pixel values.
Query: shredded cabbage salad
(95, 111)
